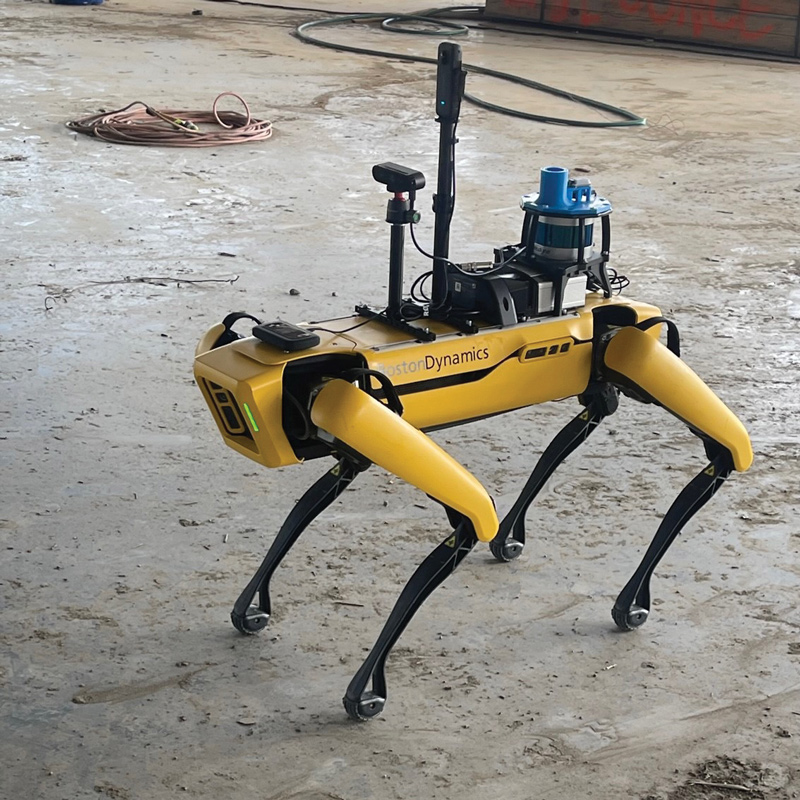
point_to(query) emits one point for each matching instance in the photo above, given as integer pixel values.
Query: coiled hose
(141, 124)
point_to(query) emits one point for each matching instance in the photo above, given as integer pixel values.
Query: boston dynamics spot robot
(543, 321)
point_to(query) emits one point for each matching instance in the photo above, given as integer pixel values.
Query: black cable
(442, 28)
(427, 254)
(314, 327)
(453, 182)
(505, 263)
(419, 285)
(616, 281)
(628, 118)
(280, 7)
(457, 267)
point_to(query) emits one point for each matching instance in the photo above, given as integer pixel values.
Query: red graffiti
(696, 16)
(753, 36)
(560, 11)
(701, 14)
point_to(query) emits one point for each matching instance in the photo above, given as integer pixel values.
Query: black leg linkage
(249, 618)
(510, 539)
(362, 704)
(633, 604)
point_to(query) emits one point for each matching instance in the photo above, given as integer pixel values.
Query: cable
(616, 281)
(628, 118)
(150, 127)
(453, 180)
(280, 7)
(501, 265)
(442, 28)
(419, 284)
(314, 327)
(458, 267)
(425, 253)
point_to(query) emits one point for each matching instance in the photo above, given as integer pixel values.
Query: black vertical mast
(449, 90)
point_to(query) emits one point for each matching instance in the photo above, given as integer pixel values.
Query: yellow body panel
(461, 377)
(208, 339)
(370, 428)
(670, 382)
(457, 377)
(511, 385)
(249, 385)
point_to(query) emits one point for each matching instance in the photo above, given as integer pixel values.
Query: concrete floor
(128, 528)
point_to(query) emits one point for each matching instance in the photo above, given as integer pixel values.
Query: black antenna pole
(449, 91)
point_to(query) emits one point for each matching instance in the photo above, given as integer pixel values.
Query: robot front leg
(633, 604)
(362, 704)
(352, 417)
(250, 618)
(643, 368)
(600, 401)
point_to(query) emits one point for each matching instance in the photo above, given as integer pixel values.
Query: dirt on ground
(128, 528)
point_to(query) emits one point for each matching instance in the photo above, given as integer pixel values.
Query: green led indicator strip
(250, 417)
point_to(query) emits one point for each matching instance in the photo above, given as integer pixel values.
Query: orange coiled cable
(139, 123)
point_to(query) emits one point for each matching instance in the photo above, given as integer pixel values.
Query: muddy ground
(128, 528)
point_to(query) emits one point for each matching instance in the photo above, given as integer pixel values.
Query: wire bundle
(139, 123)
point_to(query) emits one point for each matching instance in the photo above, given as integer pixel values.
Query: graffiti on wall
(741, 19)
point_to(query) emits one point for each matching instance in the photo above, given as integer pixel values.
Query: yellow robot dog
(543, 321)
